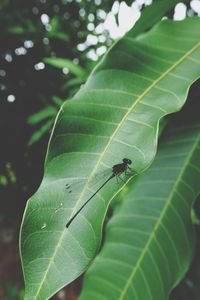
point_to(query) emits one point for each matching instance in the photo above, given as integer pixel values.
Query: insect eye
(127, 161)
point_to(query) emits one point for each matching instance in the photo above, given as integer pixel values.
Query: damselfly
(117, 170)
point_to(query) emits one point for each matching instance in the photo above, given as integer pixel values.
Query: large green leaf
(115, 115)
(150, 240)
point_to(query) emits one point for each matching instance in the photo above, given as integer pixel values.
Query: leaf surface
(114, 115)
(150, 240)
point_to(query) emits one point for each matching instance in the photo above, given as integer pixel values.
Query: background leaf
(150, 240)
(36, 136)
(61, 63)
(152, 14)
(47, 112)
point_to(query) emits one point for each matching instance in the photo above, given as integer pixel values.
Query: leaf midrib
(109, 143)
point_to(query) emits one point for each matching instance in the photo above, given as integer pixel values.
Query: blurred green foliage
(41, 66)
(13, 292)
(31, 92)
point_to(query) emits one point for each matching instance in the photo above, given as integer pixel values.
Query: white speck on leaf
(44, 226)
(60, 206)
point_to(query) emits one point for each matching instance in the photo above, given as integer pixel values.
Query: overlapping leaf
(115, 115)
(150, 240)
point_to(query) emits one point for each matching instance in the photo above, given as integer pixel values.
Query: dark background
(31, 92)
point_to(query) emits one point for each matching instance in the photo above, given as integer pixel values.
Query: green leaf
(72, 82)
(58, 101)
(56, 31)
(114, 115)
(152, 14)
(150, 240)
(38, 134)
(58, 35)
(61, 63)
(16, 30)
(3, 180)
(47, 112)
(195, 218)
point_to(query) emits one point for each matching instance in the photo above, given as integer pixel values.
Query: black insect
(117, 170)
